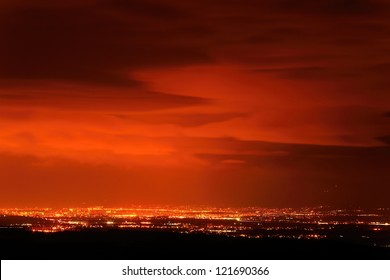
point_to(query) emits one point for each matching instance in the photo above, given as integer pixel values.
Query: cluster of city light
(253, 222)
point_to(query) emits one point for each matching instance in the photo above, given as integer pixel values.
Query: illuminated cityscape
(364, 226)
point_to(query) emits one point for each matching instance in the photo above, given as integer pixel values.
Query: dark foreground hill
(137, 244)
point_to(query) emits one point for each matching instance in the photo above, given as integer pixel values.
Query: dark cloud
(163, 10)
(184, 120)
(384, 139)
(331, 7)
(321, 7)
(372, 72)
(92, 44)
(305, 73)
(106, 99)
(270, 35)
(288, 150)
(104, 41)
(317, 156)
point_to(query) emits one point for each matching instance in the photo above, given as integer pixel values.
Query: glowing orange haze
(176, 103)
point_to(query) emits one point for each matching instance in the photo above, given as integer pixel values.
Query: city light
(251, 222)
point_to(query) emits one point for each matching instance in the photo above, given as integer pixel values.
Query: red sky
(266, 103)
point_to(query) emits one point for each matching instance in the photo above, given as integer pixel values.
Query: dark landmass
(140, 244)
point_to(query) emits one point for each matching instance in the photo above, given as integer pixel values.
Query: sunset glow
(222, 103)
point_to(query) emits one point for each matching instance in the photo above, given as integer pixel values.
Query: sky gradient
(263, 103)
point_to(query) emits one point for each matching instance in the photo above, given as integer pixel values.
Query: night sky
(225, 103)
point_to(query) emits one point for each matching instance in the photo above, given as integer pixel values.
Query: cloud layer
(221, 102)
